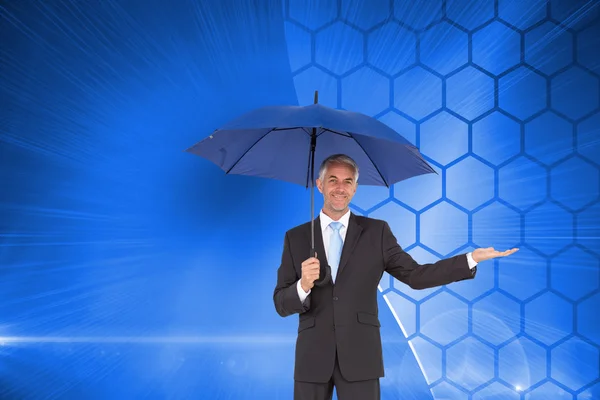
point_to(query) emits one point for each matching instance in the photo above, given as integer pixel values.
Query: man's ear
(319, 185)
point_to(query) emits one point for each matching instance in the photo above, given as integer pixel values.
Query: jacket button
(335, 298)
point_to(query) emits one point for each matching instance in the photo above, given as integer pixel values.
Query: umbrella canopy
(285, 142)
(275, 142)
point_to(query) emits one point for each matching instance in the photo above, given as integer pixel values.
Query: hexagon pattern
(406, 312)
(392, 57)
(468, 13)
(536, 138)
(401, 125)
(575, 183)
(496, 391)
(470, 363)
(588, 132)
(418, 15)
(316, 78)
(575, 93)
(496, 56)
(339, 48)
(365, 13)
(496, 138)
(549, 318)
(444, 138)
(431, 358)
(402, 222)
(522, 183)
(496, 225)
(444, 390)
(496, 318)
(466, 174)
(548, 391)
(364, 84)
(444, 35)
(368, 197)
(590, 393)
(522, 93)
(522, 14)
(548, 36)
(491, 95)
(588, 42)
(444, 310)
(472, 290)
(588, 228)
(444, 228)
(522, 363)
(523, 275)
(420, 193)
(417, 93)
(575, 354)
(576, 14)
(575, 273)
(549, 239)
(587, 322)
(300, 11)
(470, 93)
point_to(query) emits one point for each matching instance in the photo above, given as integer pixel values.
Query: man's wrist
(471, 261)
(302, 294)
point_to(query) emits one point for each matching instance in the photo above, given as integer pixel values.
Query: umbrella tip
(316, 96)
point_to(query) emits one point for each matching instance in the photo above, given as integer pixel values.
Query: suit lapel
(352, 235)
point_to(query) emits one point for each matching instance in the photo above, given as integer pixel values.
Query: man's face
(338, 187)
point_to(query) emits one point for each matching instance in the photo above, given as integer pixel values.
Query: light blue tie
(335, 248)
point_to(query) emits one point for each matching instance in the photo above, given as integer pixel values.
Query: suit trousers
(359, 390)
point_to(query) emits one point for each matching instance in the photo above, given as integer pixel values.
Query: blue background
(130, 269)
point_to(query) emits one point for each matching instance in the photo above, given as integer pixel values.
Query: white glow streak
(406, 336)
(4, 340)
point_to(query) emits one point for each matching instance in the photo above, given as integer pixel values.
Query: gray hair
(338, 159)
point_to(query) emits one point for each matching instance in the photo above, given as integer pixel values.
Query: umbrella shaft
(313, 145)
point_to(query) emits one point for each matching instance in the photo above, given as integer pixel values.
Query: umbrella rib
(372, 162)
(335, 132)
(250, 148)
(349, 135)
(287, 129)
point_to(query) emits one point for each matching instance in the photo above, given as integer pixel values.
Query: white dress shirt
(326, 232)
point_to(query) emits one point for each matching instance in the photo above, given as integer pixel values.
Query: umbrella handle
(324, 273)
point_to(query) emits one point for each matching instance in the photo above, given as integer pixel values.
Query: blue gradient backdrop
(132, 270)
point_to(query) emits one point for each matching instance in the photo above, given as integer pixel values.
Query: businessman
(339, 343)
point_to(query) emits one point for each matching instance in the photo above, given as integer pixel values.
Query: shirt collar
(326, 220)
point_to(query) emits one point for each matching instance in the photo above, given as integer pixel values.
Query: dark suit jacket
(344, 316)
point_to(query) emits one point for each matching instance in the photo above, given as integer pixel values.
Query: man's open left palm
(488, 253)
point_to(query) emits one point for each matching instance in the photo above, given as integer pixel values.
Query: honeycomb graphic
(503, 100)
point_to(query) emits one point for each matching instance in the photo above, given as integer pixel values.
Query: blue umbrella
(284, 142)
